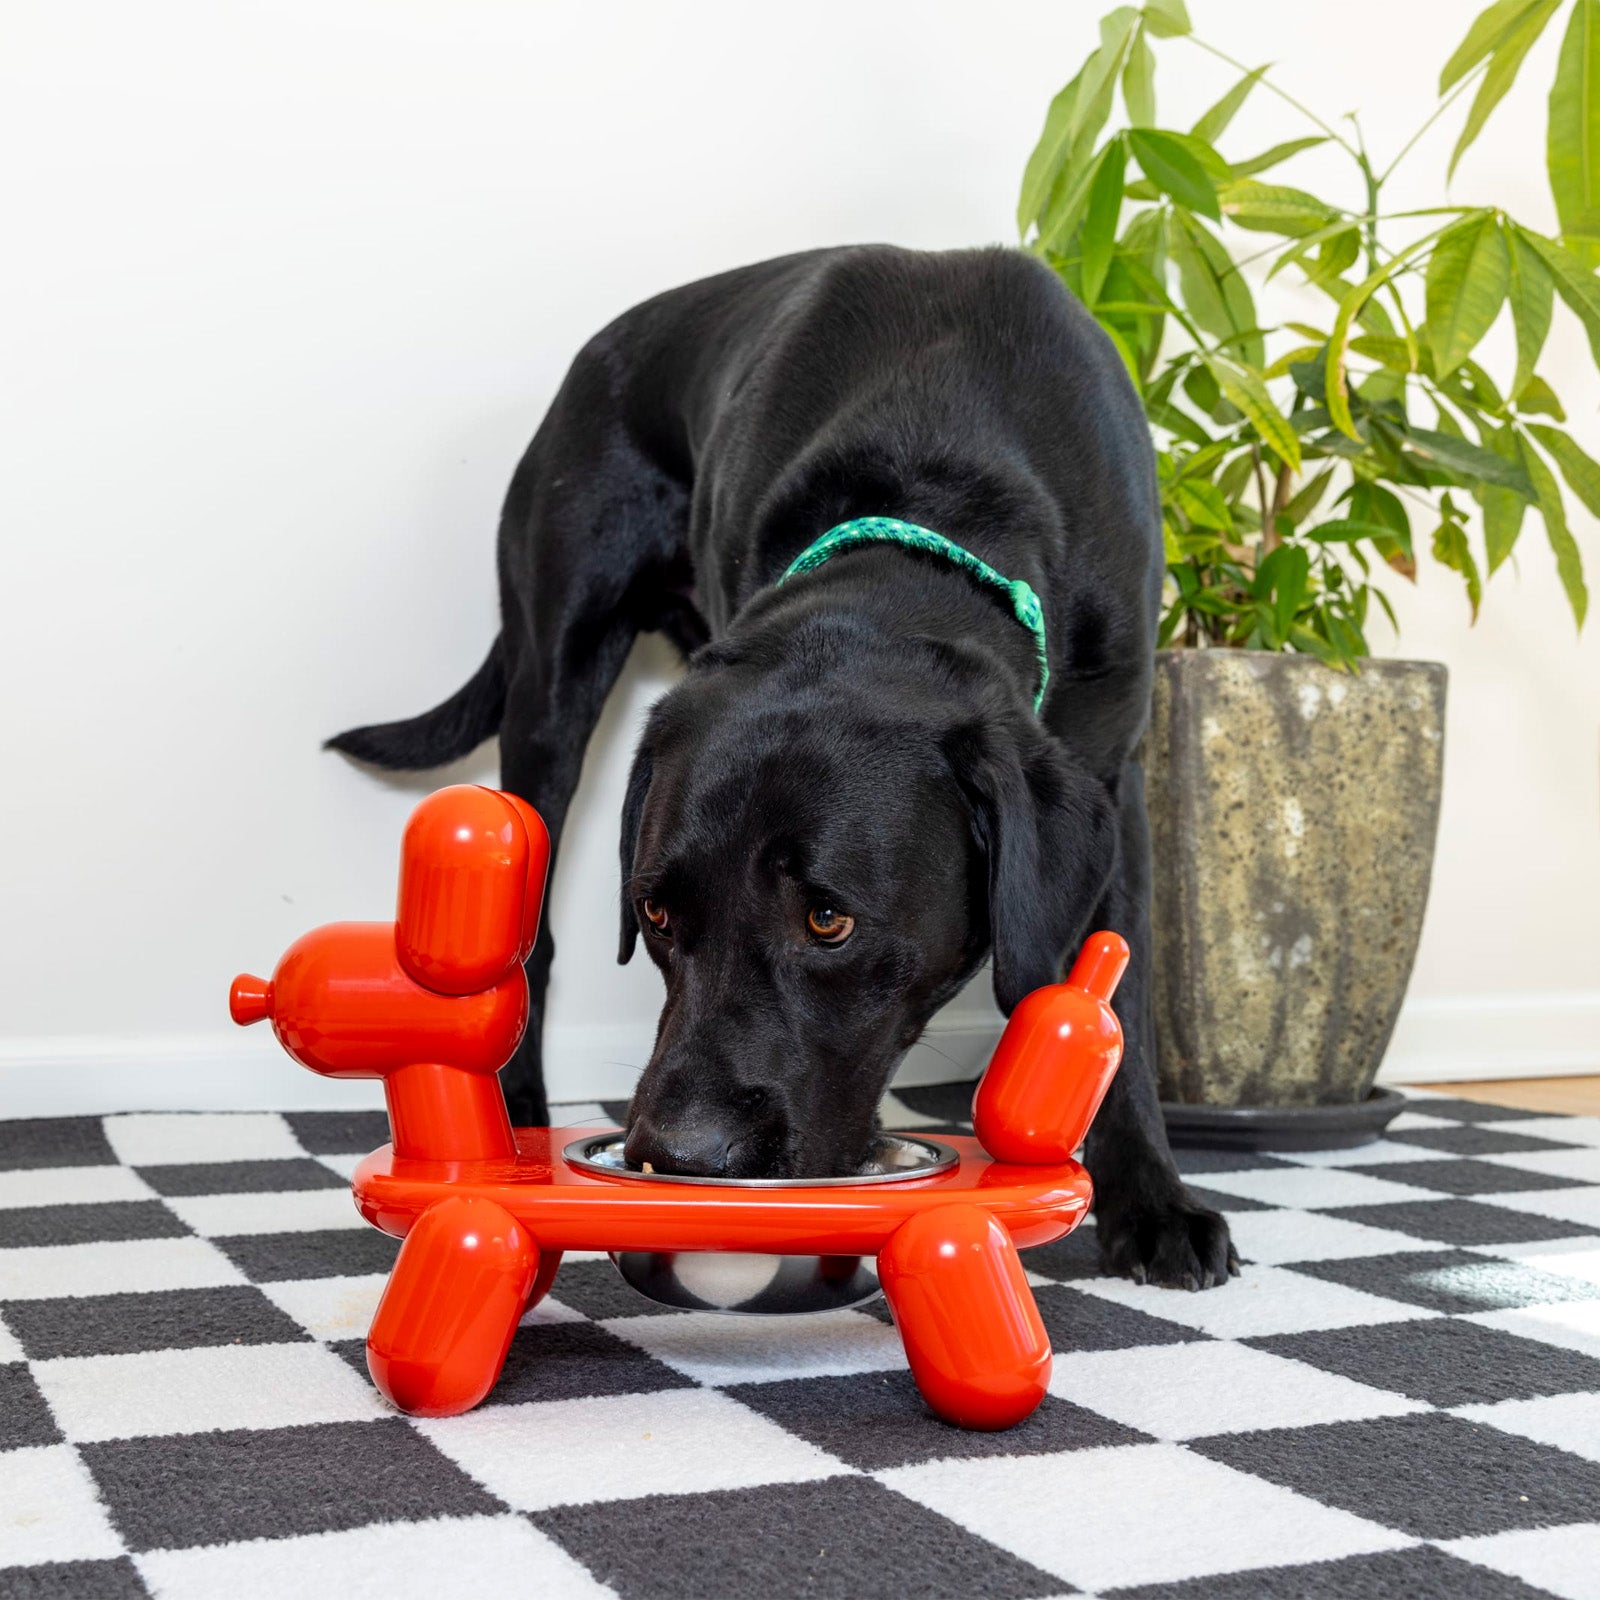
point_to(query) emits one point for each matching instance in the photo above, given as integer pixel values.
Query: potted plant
(1294, 782)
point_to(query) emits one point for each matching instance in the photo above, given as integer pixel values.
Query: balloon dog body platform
(434, 1004)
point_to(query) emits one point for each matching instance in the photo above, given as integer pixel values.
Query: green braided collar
(891, 530)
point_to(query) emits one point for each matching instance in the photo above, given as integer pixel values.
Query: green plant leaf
(1245, 389)
(1450, 549)
(1302, 638)
(1382, 388)
(1283, 577)
(1337, 253)
(1207, 155)
(1502, 71)
(1459, 457)
(1100, 72)
(1346, 530)
(1233, 477)
(1572, 149)
(1581, 470)
(1471, 389)
(1166, 19)
(1503, 511)
(1204, 506)
(1104, 209)
(1139, 82)
(1129, 359)
(1569, 563)
(1575, 283)
(1056, 180)
(1386, 350)
(1350, 306)
(1299, 356)
(1468, 275)
(1275, 156)
(1273, 208)
(1531, 294)
(1203, 462)
(1489, 30)
(1201, 386)
(1388, 610)
(1213, 290)
(1539, 399)
(1178, 423)
(1374, 503)
(1174, 170)
(1065, 207)
(1337, 246)
(1307, 498)
(1049, 156)
(1214, 122)
(1142, 253)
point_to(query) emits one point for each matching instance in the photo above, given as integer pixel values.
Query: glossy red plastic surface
(538, 870)
(455, 1294)
(1055, 1061)
(472, 873)
(341, 1004)
(569, 1208)
(977, 1348)
(434, 1004)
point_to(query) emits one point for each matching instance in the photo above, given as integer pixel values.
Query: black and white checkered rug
(1400, 1397)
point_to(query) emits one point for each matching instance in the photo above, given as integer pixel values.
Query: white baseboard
(1497, 1036)
(237, 1071)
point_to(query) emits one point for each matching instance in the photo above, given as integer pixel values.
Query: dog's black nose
(701, 1147)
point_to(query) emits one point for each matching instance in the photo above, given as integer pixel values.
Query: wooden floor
(1572, 1096)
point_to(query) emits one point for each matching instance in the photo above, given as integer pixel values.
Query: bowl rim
(580, 1154)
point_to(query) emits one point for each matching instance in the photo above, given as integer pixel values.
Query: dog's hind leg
(592, 535)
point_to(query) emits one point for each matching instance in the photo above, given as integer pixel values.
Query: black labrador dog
(850, 800)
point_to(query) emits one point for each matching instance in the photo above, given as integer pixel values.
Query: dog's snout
(699, 1147)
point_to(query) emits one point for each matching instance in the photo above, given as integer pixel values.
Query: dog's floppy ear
(632, 817)
(1047, 830)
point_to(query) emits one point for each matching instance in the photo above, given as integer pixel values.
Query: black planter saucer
(1282, 1127)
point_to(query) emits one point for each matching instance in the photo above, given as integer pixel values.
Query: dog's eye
(656, 916)
(829, 926)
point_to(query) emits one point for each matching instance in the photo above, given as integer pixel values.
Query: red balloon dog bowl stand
(434, 1004)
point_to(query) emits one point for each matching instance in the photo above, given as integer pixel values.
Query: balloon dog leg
(458, 1288)
(977, 1349)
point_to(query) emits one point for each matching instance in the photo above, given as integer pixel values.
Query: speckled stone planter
(1293, 812)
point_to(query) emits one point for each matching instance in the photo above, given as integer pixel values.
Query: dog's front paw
(1174, 1243)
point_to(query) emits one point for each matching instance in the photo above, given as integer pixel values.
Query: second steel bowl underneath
(753, 1284)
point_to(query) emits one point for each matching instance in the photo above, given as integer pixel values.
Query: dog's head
(816, 862)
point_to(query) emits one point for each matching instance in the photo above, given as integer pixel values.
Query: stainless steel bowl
(759, 1285)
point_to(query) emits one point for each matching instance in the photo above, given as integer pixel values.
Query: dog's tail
(454, 728)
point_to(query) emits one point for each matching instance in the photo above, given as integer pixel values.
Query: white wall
(287, 288)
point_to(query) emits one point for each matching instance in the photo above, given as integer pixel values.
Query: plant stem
(1438, 111)
(1268, 538)
(1267, 83)
(1280, 498)
(1374, 184)
(1371, 230)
